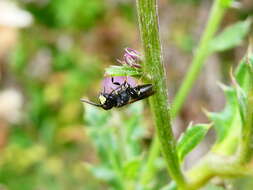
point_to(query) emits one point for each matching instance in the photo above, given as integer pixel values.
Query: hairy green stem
(154, 68)
(215, 18)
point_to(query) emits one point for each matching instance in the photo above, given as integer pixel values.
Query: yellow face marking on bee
(102, 99)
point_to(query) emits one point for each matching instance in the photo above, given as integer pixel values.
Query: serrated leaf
(243, 80)
(230, 37)
(191, 138)
(223, 121)
(242, 102)
(95, 117)
(96, 122)
(134, 129)
(243, 72)
(122, 71)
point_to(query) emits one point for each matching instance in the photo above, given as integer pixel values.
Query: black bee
(124, 94)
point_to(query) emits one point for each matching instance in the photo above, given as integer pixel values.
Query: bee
(122, 95)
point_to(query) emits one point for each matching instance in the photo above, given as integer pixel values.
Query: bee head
(106, 101)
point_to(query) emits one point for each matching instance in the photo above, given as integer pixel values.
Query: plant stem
(214, 165)
(202, 52)
(215, 18)
(148, 23)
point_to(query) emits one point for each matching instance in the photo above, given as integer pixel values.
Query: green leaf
(242, 102)
(103, 137)
(171, 186)
(122, 71)
(133, 130)
(102, 173)
(243, 72)
(213, 187)
(226, 3)
(242, 83)
(94, 116)
(131, 168)
(191, 138)
(230, 37)
(229, 124)
(223, 121)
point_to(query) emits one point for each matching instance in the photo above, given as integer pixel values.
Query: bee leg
(114, 90)
(115, 83)
(125, 84)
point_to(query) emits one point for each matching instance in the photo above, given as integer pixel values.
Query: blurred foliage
(46, 148)
(233, 127)
(69, 14)
(231, 36)
(187, 1)
(54, 63)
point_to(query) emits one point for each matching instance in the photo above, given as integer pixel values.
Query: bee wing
(91, 103)
(150, 93)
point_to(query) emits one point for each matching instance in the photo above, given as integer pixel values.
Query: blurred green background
(53, 52)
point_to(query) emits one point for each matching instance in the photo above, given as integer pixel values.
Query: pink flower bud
(132, 58)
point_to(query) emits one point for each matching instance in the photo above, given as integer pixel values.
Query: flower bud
(132, 58)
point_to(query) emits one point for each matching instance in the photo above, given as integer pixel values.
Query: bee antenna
(91, 103)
